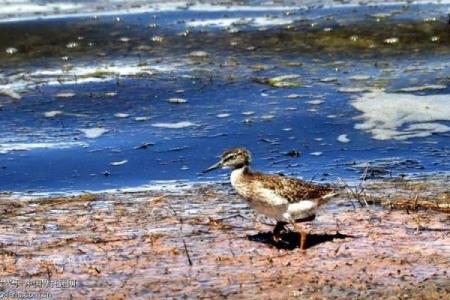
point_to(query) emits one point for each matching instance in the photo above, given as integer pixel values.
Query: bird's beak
(213, 167)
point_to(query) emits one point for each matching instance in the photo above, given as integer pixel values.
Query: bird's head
(233, 158)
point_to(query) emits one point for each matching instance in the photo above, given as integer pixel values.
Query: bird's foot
(278, 232)
(276, 238)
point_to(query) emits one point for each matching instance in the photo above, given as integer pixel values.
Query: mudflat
(385, 239)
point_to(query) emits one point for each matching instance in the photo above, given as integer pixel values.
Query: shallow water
(87, 103)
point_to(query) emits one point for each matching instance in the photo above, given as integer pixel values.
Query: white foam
(402, 116)
(343, 139)
(268, 21)
(177, 125)
(354, 89)
(10, 93)
(57, 11)
(108, 71)
(13, 86)
(198, 54)
(11, 147)
(315, 102)
(173, 187)
(52, 114)
(177, 100)
(121, 115)
(244, 8)
(219, 22)
(142, 119)
(65, 95)
(23, 11)
(359, 77)
(224, 115)
(328, 79)
(228, 22)
(93, 133)
(119, 163)
(424, 88)
(23, 7)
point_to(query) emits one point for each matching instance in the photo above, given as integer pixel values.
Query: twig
(187, 253)
(415, 202)
(364, 177)
(359, 192)
(180, 233)
(233, 216)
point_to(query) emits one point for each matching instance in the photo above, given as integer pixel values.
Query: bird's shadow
(291, 240)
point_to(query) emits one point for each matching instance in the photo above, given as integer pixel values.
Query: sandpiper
(287, 200)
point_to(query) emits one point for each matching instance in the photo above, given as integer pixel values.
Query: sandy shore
(203, 242)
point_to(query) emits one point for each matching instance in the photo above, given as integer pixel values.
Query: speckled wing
(292, 189)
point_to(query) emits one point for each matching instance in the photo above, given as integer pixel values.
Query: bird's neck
(238, 174)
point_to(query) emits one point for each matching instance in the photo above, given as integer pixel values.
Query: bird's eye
(230, 157)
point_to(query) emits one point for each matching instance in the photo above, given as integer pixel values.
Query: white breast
(236, 176)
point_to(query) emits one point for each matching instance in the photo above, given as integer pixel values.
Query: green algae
(41, 39)
(282, 81)
(99, 74)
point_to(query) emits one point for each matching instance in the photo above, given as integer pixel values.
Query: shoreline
(69, 10)
(177, 187)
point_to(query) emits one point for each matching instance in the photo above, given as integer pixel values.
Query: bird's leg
(279, 228)
(303, 235)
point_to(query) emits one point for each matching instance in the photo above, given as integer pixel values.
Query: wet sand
(204, 242)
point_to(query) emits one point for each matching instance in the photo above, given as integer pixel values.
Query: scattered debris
(293, 153)
(290, 80)
(144, 146)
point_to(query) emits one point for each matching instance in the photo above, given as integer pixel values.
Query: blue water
(211, 89)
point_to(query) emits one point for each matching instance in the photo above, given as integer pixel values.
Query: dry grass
(408, 195)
